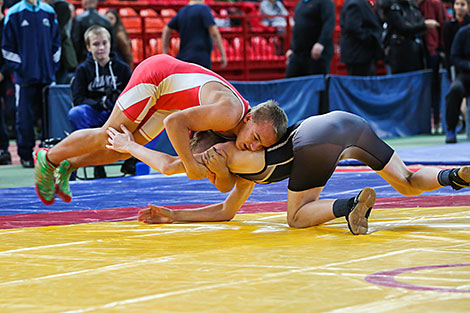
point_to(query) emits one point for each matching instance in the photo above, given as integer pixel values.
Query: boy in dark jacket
(98, 81)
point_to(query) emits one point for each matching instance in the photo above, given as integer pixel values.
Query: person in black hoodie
(97, 83)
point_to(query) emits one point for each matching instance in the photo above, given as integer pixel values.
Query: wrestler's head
(262, 127)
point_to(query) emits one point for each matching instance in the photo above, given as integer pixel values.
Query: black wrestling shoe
(358, 217)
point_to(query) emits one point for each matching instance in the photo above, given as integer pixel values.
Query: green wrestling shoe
(44, 176)
(358, 218)
(62, 178)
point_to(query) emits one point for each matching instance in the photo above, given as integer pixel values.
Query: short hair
(95, 30)
(270, 111)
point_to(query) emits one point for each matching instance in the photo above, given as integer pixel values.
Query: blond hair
(95, 30)
(270, 111)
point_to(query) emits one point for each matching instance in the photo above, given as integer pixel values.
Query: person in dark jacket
(31, 49)
(311, 47)
(198, 33)
(460, 58)
(82, 22)
(68, 60)
(7, 94)
(97, 83)
(460, 18)
(405, 36)
(361, 37)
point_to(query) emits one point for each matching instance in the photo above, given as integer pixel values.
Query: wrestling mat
(91, 255)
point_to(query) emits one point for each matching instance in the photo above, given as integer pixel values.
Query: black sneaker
(99, 172)
(128, 167)
(5, 157)
(27, 163)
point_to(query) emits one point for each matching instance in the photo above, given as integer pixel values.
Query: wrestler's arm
(223, 115)
(170, 165)
(224, 211)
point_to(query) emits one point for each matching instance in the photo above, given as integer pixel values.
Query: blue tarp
(59, 104)
(395, 105)
(299, 97)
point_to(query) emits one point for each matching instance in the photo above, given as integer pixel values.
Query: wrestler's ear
(248, 117)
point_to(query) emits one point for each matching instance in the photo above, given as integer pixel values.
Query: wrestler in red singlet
(161, 85)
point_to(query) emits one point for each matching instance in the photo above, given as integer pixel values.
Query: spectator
(5, 157)
(460, 18)
(460, 87)
(433, 10)
(123, 43)
(361, 37)
(197, 30)
(68, 60)
(31, 48)
(97, 83)
(311, 47)
(82, 22)
(273, 7)
(405, 36)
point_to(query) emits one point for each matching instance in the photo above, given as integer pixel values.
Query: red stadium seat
(127, 12)
(155, 46)
(153, 24)
(137, 49)
(133, 24)
(103, 11)
(148, 12)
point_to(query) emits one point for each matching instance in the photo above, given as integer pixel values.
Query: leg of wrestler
(105, 156)
(88, 140)
(406, 182)
(78, 143)
(98, 157)
(305, 210)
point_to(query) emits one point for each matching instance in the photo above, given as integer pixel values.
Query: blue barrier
(299, 96)
(395, 105)
(58, 106)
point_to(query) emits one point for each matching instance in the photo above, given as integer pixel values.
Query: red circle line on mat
(387, 278)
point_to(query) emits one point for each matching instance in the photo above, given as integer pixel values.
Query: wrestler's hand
(196, 172)
(156, 215)
(215, 162)
(119, 141)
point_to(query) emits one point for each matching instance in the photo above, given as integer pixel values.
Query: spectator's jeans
(303, 65)
(85, 116)
(458, 90)
(29, 108)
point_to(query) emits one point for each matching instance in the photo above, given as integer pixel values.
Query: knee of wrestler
(79, 117)
(293, 221)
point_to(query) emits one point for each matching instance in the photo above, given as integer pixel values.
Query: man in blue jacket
(31, 49)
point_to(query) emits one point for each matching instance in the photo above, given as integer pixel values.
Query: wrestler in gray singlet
(311, 150)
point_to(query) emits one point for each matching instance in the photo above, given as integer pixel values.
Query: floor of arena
(91, 255)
